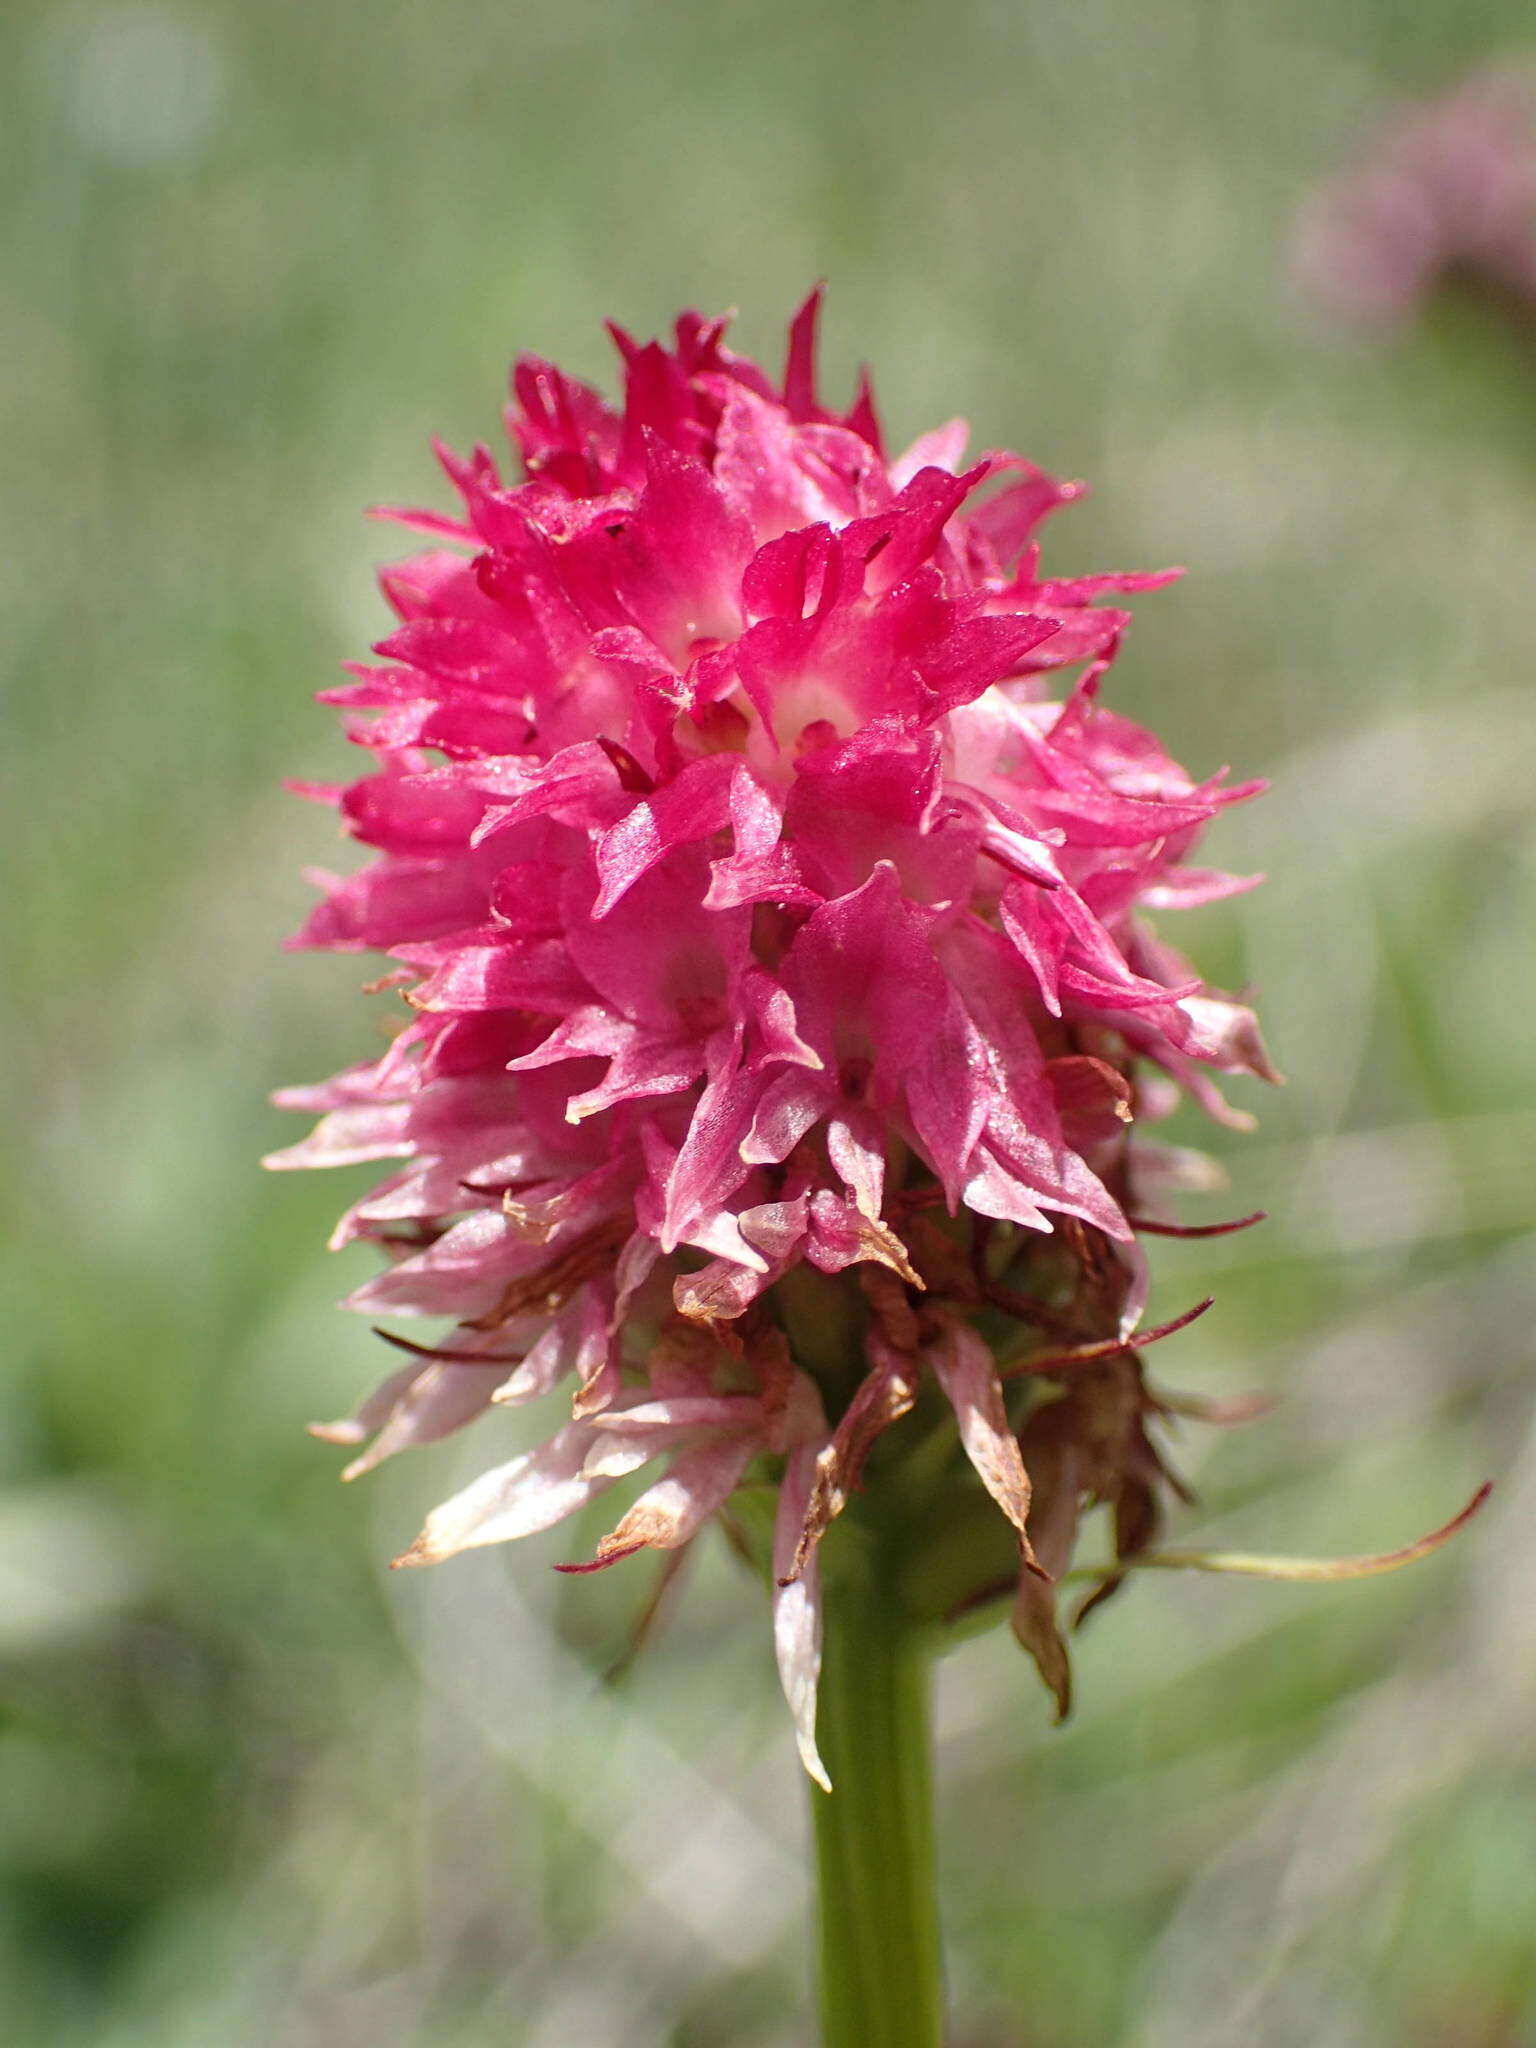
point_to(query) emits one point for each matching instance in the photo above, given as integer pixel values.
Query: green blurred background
(251, 1789)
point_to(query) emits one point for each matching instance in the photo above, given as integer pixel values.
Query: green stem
(881, 1979)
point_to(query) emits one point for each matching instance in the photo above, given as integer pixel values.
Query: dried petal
(1314, 1569)
(967, 1372)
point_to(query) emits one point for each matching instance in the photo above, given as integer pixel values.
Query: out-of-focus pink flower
(763, 910)
(1449, 191)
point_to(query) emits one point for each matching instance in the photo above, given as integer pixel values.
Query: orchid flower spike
(1444, 196)
(783, 1014)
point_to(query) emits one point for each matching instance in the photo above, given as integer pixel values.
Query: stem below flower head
(881, 1975)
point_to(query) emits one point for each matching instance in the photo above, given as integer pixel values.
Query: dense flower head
(764, 916)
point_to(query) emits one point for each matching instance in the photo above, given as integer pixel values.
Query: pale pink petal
(671, 1513)
(520, 1498)
(372, 1413)
(347, 1137)
(616, 1457)
(682, 1411)
(940, 448)
(797, 1607)
(439, 1400)
(856, 1148)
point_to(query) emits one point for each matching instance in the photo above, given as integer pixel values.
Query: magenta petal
(690, 808)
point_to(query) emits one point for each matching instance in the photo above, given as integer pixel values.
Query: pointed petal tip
(1221, 1411)
(1134, 1335)
(1314, 1570)
(347, 1431)
(1155, 1227)
(581, 1566)
(1131, 1337)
